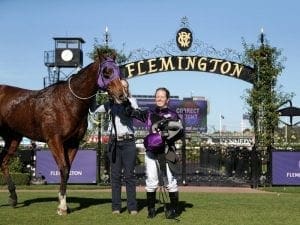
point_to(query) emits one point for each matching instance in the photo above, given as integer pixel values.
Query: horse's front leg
(62, 208)
(64, 166)
(5, 156)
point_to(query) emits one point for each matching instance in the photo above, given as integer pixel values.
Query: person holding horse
(122, 150)
(165, 128)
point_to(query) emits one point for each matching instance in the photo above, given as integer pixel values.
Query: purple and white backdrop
(285, 168)
(83, 170)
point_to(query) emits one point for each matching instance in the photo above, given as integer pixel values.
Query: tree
(264, 98)
(104, 49)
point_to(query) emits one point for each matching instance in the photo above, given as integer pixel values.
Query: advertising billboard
(83, 169)
(192, 112)
(285, 168)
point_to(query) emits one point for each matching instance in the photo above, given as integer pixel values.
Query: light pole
(106, 37)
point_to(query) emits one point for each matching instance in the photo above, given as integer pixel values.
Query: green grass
(283, 189)
(94, 207)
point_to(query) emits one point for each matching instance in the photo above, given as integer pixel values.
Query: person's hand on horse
(139, 114)
(127, 107)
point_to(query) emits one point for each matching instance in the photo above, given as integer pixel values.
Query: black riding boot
(172, 211)
(151, 198)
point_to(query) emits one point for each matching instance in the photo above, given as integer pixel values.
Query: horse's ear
(113, 56)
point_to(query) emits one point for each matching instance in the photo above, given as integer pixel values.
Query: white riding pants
(153, 173)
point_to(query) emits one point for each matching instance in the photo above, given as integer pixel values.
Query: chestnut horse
(56, 115)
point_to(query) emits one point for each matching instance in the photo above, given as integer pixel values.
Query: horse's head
(117, 91)
(109, 79)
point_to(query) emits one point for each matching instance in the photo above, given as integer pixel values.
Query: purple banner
(83, 169)
(192, 112)
(286, 168)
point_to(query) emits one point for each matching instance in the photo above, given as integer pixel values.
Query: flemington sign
(185, 59)
(188, 63)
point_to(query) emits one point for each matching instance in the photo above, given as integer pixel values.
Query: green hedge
(18, 178)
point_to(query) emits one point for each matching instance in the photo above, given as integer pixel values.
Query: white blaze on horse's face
(117, 91)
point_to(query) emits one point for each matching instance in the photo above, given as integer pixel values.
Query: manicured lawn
(89, 206)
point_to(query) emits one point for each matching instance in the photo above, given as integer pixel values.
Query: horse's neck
(84, 84)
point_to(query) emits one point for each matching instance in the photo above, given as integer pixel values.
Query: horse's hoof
(62, 212)
(12, 201)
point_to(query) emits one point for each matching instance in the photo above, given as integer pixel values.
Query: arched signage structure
(187, 54)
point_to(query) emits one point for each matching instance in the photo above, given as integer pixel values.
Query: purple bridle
(103, 81)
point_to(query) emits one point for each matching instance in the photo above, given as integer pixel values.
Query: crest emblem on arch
(184, 39)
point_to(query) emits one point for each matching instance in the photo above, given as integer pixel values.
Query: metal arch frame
(198, 49)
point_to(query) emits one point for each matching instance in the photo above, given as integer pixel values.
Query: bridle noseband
(103, 79)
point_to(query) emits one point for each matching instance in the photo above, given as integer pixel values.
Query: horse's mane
(72, 75)
(57, 83)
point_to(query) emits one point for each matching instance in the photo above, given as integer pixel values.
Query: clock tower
(67, 54)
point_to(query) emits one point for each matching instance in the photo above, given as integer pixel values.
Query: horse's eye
(107, 72)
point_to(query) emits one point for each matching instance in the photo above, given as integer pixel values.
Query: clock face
(67, 55)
